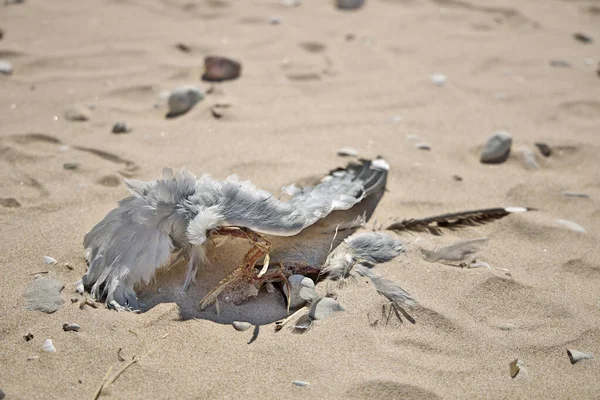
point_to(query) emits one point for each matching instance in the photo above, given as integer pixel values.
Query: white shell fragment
(347, 152)
(182, 99)
(439, 79)
(300, 383)
(571, 225)
(5, 67)
(297, 283)
(323, 308)
(49, 260)
(575, 356)
(241, 325)
(49, 346)
(518, 369)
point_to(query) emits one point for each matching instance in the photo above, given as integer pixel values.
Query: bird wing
(243, 204)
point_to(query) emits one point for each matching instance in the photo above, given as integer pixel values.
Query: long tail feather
(452, 221)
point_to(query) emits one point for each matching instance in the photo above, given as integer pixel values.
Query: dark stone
(583, 38)
(217, 69)
(544, 149)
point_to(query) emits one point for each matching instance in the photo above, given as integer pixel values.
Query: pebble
(217, 69)
(5, 67)
(544, 149)
(497, 149)
(347, 152)
(31, 358)
(49, 346)
(77, 114)
(28, 337)
(218, 110)
(275, 20)
(297, 282)
(571, 225)
(182, 99)
(71, 327)
(439, 79)
(529, 158)
(575, 194)
(120, 127)
(71, 165)
(9, 202)
(349, 4)
(583, 38)
(43, 294)
(423, 146)
(506, 327)
(324, 307)
(518, 368)
(241, 325)
(560, 64)
(290, 3)
(50, 260)
(300, 383)
(2, 394)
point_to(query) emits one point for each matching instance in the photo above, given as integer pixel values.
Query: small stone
(529, 158)
(347, 152)
(241, 325)
(28, 337)
(9, 202)
(31, 358)
(583, 38)
(290, 3)
(439, 79)
(49, 260)
(324, 307)
(423, 146)
(576, 194)
(517, 368)
(300, 383)
(49, 346)
(217, 69)
(349, 4)
(275, 20)
(497, 148)
(218, 110)
(183, 47)
(77, 114)
(182, 99)
(71, 327)
(506, 327)
(560, 64)
(13, 2)
(120, 127)
(43, 294)
(297, 283)
(69, 266)
(457, 178)
(544, 149)
(2, 394)
(71, 165)
(5, 67)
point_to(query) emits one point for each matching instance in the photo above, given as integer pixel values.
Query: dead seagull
(173, 218)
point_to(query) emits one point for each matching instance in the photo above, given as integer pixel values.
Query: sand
(307, 89)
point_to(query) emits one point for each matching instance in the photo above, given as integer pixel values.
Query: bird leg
(244, 274)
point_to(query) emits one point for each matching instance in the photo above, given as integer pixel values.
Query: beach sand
(320, 80)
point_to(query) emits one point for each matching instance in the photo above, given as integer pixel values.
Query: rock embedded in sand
(28, 337)
(67, 327)
(9, 202)
(49, 346)
(518, 369)
(529, 158)
(497, 148)
(241, 325)
(218, 69)
(423, 146)
(5, 67)
(347, 152)
(70, 165)
(43, 294)
(120, 127)
(77, 114)
(49, 260)
(349, 4)
(182, 99)
(544, 149)
(324, 307)
(583, 38)
(297, 283)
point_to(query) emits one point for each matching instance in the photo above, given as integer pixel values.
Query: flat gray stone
(297, 283)
(497, 148)
(43, 294)
(182, 99)
(349, 4)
